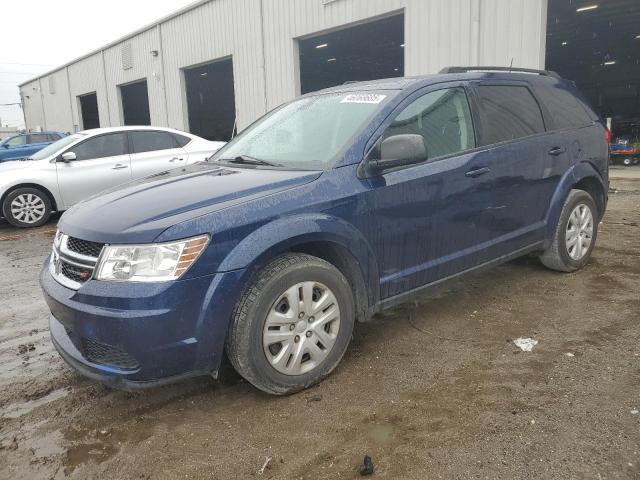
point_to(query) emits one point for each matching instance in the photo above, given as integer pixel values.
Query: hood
(14, 164)
(139, 211)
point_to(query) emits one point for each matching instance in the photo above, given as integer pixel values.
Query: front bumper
(134, 335)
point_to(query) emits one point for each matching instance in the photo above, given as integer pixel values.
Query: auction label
(363, 98)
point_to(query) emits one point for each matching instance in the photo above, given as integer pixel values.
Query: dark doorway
(211, 100)
(364, 52)
(135, 103)
(597, 45)
(89, 111)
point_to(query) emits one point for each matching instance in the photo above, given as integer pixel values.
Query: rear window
(566, 110)
(181, 139)
(508, 113)
(150, 140)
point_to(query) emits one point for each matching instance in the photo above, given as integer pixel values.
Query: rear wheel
(27, 207)
(292, 325)
(627, 161)
(575, 234)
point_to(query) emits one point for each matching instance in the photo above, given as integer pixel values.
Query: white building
(218, 63)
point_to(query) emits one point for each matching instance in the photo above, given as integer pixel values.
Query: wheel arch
(326, 237)
(582, 176)
(46, 191)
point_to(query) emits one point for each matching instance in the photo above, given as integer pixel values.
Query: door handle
(176, 159)
(476, 172)
(555, 151)
(119, 166)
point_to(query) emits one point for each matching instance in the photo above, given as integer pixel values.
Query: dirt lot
(431, 389)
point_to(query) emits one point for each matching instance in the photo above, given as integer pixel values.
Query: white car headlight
(157, 262)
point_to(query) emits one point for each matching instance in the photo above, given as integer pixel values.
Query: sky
(43, 34)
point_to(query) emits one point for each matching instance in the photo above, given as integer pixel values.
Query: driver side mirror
(398, 151)
(5, 145)
(67, 157)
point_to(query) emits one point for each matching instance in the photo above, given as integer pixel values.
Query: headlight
(158, 262)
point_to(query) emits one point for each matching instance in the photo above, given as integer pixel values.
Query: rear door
(102, 162)
(523, 160)
(154, 151)
(36, 142)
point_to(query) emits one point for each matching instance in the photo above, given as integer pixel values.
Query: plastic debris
(525, 344)
(569, 354)
(635, 411)
(265, 465)
(367, 466)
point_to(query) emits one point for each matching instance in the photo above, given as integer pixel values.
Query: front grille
(106, 354)
(73, 260)
(84, 247)
(72, 272)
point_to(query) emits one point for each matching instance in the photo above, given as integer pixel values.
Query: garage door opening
(135, 103)
(211, 101)
(363, 52)
(597, 45)
(89, 117)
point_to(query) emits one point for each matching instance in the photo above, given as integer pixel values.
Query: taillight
(607, 135)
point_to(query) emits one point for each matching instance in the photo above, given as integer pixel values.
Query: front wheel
(575, 234)
(27, 207)
(292, 325)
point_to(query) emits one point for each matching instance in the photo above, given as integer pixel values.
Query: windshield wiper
(247, 160)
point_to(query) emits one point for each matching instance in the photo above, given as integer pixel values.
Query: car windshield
(56, 146)
(306, 133)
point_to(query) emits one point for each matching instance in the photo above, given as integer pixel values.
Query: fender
(285, 233)
(571, 177)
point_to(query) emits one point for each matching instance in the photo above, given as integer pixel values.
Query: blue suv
(325, 211)
(26, 144)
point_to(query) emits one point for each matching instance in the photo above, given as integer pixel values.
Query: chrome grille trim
(62, 255)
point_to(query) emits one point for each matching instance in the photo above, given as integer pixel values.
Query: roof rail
(546, 73)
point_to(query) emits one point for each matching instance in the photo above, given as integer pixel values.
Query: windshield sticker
(363, 98)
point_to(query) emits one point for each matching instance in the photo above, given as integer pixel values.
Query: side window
(565, 109)
(109, 145)
(37, 138)
(181, 139)
(508, 113)
(17, 141)
(148, 141)
(442, 118)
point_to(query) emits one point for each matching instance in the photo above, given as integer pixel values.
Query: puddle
(16, 410)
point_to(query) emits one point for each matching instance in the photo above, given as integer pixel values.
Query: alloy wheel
(28, 208)
(579, 231)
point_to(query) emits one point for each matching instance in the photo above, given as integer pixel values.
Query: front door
(427, 221)
(101, 162)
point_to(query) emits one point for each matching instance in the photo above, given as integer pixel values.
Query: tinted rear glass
(181, 139)
(508, 113)
(565, 109)
(149, 141)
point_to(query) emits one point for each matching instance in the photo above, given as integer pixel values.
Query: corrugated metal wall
(261, 38)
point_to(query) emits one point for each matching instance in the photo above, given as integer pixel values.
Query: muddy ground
(431, 389)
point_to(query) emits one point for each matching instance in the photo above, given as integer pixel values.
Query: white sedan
(85, 163)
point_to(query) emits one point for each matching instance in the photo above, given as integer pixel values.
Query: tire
(561, 255)
(627, 161)
(287, 366)
(27, 207)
